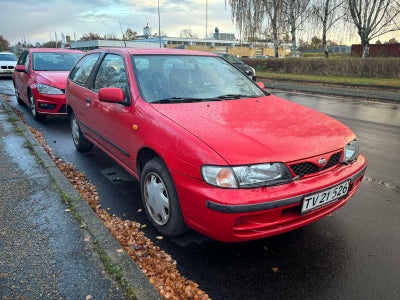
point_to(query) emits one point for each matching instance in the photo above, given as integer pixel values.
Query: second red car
(40, 78)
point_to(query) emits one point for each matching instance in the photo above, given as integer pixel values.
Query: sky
(39, 20)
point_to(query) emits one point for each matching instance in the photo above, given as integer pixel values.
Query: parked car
(246, 69)
(40, 78)
(8, 61)
(213, 151)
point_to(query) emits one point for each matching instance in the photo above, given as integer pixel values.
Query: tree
(4, 44)
(91, 36)
(328, 13)
(261, 12)
(188, 34)
(295, 16)
(51, 44)
(130, 34)
(374, 18)
(316, 42)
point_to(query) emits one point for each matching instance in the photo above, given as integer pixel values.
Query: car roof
(53, 50)
(154, 51)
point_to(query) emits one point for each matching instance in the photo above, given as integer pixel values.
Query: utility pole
(206, 17)
(159, 22)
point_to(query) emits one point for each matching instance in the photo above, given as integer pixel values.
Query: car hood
(267, 129)
(57, 79)
(8, 63)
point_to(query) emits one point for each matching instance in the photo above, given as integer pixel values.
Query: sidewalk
(385, 95)
(44, 252)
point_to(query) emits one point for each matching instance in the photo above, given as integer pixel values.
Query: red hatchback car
(213, 150)
(40, 78)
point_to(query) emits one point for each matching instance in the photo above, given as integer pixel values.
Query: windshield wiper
(184, 100)
(236, 96)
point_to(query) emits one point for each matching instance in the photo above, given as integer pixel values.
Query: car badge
(322, 161)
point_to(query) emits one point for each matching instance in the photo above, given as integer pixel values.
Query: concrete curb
(94, 226)
(332, 90)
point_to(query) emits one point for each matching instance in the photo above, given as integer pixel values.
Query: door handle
(88, 100)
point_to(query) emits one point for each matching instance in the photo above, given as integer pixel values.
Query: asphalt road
(353, 254)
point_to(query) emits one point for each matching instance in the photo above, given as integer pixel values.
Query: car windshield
(186, 78)
(49, 61)
(8, 57)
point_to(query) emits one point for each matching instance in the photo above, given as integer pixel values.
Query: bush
(373, 67)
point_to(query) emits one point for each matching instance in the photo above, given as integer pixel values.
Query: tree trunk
(325, 29)
(294, 45)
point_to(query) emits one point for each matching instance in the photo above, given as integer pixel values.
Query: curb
(356, 92)
(132, 274)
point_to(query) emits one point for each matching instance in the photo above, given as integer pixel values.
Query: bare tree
(4, 44)
(274, 11)
(130, 34)
(91, 36)
(295, 11)
(374, 18)
(262, 12)
(327, 12)
(188, 33)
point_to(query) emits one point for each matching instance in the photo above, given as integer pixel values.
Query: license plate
(326, 197)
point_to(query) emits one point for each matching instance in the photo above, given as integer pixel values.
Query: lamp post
(206, 17)
(159, 22)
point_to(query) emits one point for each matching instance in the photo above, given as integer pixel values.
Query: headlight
(47, 89)
(246, 176)
(351, 151)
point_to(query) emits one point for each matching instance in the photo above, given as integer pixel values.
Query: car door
(111, 122)
(21, 78)
(79, 89)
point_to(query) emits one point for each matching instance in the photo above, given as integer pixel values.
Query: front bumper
(219, 214)
(48, 104)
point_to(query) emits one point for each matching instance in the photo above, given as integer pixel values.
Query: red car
(213, 151)
(40, 78)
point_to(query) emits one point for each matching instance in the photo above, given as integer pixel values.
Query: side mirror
(260, 85)
(114, 95)
(20, 68)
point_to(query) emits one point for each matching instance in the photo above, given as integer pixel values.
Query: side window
(23, 60)
(111, 73)
(81, 72)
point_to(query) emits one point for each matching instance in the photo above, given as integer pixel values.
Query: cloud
(38, 19)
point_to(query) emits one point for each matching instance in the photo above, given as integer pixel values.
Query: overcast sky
(36, 20)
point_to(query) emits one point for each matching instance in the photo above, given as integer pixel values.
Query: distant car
(40, 78)
(8, 61)
(234, 60)
(213, 151)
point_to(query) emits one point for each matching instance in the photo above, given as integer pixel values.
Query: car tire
(160, 199)
(20, 102)
(80, 142)
(32, 105)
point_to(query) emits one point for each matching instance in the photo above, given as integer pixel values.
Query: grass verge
(379, 83)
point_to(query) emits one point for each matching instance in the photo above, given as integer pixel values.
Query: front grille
(7, 67)
(306, 168)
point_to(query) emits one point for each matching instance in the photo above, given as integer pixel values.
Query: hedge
(347, 67)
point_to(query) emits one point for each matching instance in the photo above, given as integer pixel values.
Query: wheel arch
(144, 155)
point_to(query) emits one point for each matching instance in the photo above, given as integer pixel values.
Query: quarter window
(81, 72)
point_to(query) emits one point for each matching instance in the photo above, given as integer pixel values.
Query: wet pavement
(44, 252)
